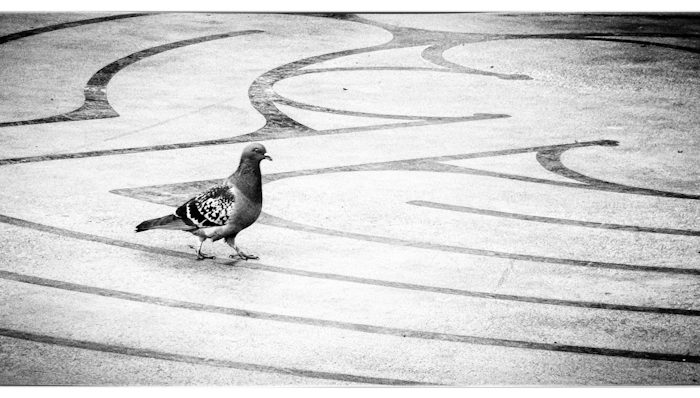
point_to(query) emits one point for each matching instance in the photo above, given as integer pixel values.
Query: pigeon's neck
(248, 180)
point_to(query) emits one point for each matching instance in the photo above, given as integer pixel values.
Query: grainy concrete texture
(459, 199)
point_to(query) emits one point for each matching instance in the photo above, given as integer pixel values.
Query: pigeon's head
(254, 153)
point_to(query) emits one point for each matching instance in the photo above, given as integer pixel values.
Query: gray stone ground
(462, 199)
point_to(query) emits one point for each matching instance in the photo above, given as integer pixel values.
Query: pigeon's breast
(246, 211)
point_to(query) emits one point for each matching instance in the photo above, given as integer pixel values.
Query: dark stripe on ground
(260, 135)
(284, 223)
(51, 28)
(219, 363)
(357, 327)
(348, 278)
(647, 43)
(96, 105)
(550, 159)
(551, 220)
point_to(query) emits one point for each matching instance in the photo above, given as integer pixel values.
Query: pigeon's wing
(211, 208)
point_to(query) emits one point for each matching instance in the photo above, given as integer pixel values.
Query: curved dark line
(347, 278)
(51, 28)
(476, 294)
(548, 156)
(301, 72)
(403, 35)
(265, 84)
(315, 108)
(96, 105)
(399, 30)
(284, 223)
(355, 327)
(262, 96)
(429, 121)
(121, 151)
(449, 168)
(550, 159)
(258, 135)
(448, 39)
(650, 43)
(599, 36)
(552, 220)
(585, 35)
(435, 54)
(218, 363)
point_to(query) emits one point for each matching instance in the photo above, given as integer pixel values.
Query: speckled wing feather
(211, 208)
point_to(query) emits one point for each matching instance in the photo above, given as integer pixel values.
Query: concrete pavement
(459, 199)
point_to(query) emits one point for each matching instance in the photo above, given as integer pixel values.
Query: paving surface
(461, 199)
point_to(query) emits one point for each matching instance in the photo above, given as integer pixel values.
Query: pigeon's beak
(268, 158)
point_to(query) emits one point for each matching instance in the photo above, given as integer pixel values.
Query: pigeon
(224, 210)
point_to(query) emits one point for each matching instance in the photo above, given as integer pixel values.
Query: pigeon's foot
(244, 256)
(202, 256)
(239, 253)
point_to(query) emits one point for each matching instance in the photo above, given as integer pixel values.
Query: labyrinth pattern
(452, 223)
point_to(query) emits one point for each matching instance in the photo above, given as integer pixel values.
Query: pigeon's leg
(231, 242)
(200, 255)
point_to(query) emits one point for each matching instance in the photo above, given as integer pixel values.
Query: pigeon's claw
(251, 257)
(243, 255)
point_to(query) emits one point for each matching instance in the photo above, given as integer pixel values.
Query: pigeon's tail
(170, 221)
